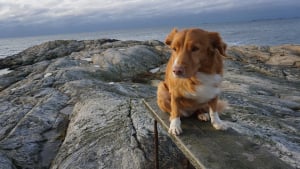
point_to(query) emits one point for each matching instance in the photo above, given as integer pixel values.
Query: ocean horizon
(261, 32)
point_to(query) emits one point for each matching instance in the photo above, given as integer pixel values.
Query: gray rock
(101, 129)
(124, 63)
(32, 125)
(5, 163)
(37, 102)
(76, 104)
(263, 103)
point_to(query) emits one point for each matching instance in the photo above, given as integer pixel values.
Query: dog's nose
(178, 70)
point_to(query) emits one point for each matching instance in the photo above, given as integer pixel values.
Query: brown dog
(193, 77)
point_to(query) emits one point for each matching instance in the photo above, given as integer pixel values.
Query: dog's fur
(193, 76)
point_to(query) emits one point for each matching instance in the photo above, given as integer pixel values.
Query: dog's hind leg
(163, 97)
(203, 114)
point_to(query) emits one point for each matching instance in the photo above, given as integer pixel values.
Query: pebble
(47, 75)
(155, 70)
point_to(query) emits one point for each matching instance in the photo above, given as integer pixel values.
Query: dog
(193, 76)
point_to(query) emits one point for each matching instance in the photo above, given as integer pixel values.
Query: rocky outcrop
(265, 97)
(70, 111)
(77, 104)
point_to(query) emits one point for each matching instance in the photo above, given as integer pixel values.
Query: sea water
(263, 32)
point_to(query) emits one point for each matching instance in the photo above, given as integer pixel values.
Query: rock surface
(265, 98)
(61, 110)
(77, 104)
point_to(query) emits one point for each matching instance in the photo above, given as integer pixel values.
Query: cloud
(39, 11)
(67, 13)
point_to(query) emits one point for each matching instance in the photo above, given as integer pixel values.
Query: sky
(41, 17)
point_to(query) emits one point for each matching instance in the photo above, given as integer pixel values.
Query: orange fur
(194, 51)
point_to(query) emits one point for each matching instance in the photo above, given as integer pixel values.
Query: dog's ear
(217, 43)
(170, 37)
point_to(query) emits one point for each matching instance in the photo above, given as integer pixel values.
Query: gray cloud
(75, 14)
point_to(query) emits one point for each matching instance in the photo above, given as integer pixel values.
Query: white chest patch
(208, 89)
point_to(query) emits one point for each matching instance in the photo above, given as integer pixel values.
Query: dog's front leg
(175, 123)
(214, 115)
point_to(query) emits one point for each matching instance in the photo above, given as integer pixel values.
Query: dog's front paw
(175, 126)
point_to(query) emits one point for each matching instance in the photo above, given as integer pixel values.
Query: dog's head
(193, 50)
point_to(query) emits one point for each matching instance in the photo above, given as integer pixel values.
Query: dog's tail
(222, 105)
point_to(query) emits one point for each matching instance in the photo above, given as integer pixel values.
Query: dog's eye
(174, 49)
(195, 48)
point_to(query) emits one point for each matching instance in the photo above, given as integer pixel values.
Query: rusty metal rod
(186, 163)
(156, 145)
